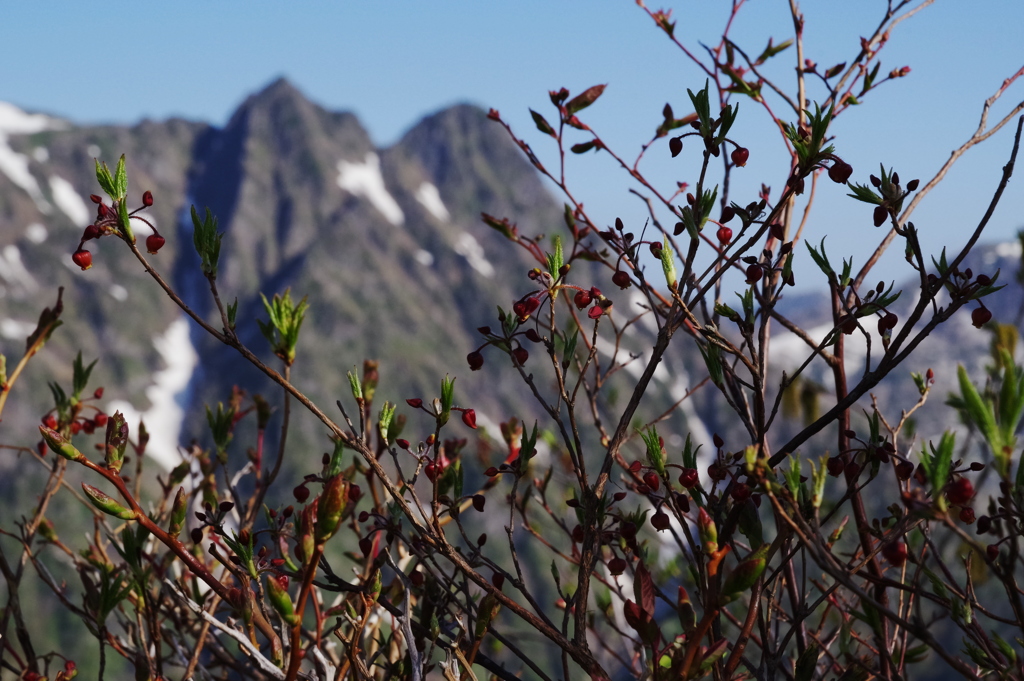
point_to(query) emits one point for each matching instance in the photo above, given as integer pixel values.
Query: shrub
(759, 557)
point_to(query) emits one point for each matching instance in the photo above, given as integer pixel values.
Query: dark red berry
(660, 521)
(895, 553)
(740, 156)
(675, 145)
(689, 477)
(724, 234)
(979, 317)
(301, 493)
(840, 172)
(881, 215)
(754, 273)
(616, 566)
(154, 242)
(835, 466)
(147, 198)
(82, 258)
(960, 492)
(475, 359)
(431, 471)
(904, 470)
(887, 322)
(741, 492)
(582, 299)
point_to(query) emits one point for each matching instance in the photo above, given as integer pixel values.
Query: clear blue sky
(391, 63)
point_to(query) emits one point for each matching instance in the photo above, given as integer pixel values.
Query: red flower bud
(960, 492)
(979, 317)
(469, 418)
(621, 279)
(582, 299)
(91, 232)
(404, 444)
(688, 478)
(491, 472)
(724, 235)
(98, 393)
(740, 156)
(595, 312)
(520, 355)
(478, 502)
(896, 553)
(414, 402)
(967, 515)
(616, 566)
(475, 359)
(652, 480)
(992, 552)
(154, 242)
(147, 198)
(728, 213)
(754, 273)
(82, 258)
(835, 466)
(95, 198)
(912, 185)
(840, 172)
(675, 145)
(301, 493)
(660, 521)
(881, 215)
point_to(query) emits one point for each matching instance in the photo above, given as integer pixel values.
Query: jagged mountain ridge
(386, 242)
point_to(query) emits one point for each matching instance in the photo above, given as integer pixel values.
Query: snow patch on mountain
(364, 179)
(36, 233)
(13, 271)
(424, 257)
(68, 200)
(12, 329)
(14, 121)
(165, 415)
(430, 198)
(470, 249)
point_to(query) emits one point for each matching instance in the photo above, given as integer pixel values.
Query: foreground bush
(742, 562)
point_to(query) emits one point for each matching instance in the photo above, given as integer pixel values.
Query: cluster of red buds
(584, 298)
(107, 220)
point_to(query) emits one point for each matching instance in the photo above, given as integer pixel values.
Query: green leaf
(207, 240)
(557, 259)
(772, 50)
(655, 455)
(81, 376)
(105, 181)
(124, 222)
(121, 180)
(668, 263)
